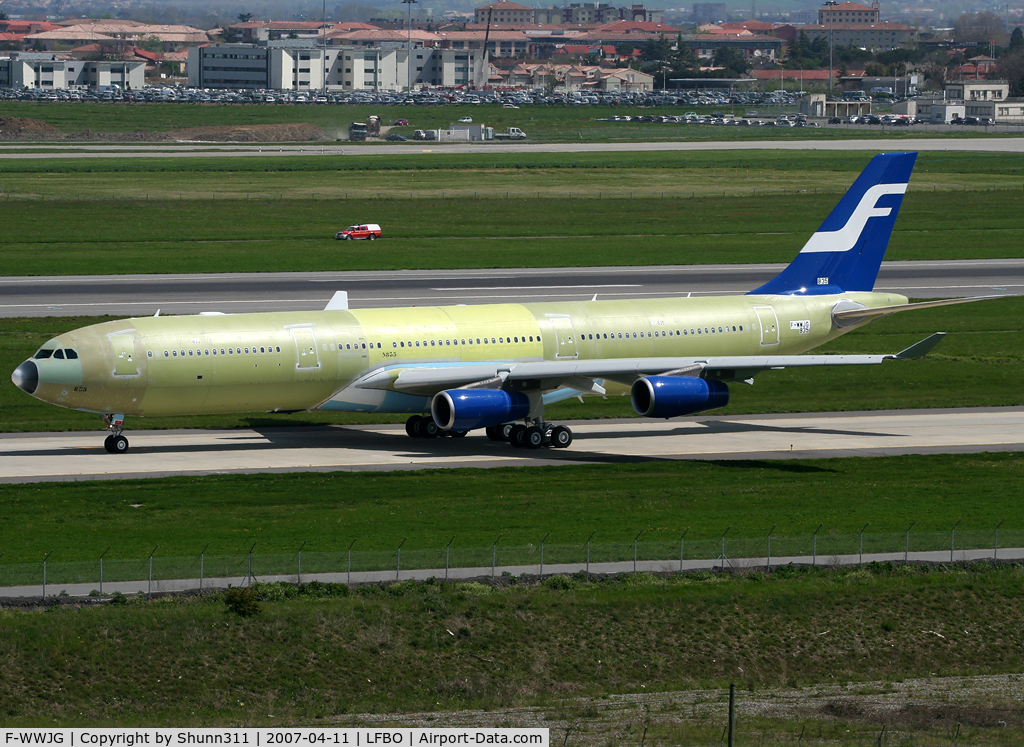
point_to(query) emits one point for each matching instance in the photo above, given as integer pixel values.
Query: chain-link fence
(821, 547)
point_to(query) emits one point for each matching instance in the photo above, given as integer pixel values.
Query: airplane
(461, 368)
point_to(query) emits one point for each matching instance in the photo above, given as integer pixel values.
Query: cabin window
(207, 352)
(166, 354)
(279, 349)
(433, 343)
(174, 353)
(401, 344)
(231, 351)
(698, 330)
(493, 342)
(463, 341)
(238, 351)
(394, 344)
(150, 353)
(42, 354)
(263, 350)
(191, 353)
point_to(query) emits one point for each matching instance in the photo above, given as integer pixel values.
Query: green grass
(979, 364)
(317, 661)
(296, 234)
(379, 510)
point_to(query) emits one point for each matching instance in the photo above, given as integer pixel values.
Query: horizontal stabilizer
(866, 313)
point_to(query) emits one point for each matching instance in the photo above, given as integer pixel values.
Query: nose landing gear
(115, 443)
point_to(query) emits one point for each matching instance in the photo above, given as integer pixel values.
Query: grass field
(546, 210)
(565, 646)
(428, 508)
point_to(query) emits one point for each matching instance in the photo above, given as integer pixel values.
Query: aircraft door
(124, 355)
(305, 345)
(769, 325)
(565, 337)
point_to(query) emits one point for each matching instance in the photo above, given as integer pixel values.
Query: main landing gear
(531, 435)
(419, 426)
(115, 443)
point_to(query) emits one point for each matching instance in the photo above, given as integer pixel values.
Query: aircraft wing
(584, 375)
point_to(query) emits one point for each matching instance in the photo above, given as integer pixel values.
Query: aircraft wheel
(108, 444)
(533, 438)
(516, 435)
(426, 428)
(496, 432)
(410, 426)
(457, 434)
(118, 445)
(561, 437)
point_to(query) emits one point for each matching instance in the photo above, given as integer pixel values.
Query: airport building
(296, 67)
(47, 70)
(967, 98)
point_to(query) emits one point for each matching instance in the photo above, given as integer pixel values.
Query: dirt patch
(26, 128)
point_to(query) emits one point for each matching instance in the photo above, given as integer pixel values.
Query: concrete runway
(44, 457)
(266, 150)
(143, 295)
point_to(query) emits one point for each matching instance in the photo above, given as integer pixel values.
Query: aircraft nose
(26, 377)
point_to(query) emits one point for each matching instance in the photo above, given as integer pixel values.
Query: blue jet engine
(466, 409)
(670, 396)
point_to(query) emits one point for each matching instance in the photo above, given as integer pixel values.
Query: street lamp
(831, 38)
(409, 3)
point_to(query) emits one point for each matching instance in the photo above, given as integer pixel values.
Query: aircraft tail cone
(26, 377)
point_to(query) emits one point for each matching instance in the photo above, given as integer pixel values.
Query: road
(47, 457)
(204, 150)
(143, 295)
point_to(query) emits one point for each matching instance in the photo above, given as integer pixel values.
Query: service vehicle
(369, 231)
(512, 133)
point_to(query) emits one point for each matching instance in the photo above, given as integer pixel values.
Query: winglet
(338, 302)
(920, 349)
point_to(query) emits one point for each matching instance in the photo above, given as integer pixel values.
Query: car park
(369, 231)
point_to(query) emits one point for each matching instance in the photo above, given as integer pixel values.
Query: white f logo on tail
(846, 237)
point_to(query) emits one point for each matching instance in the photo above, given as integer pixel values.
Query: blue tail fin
(846, 252)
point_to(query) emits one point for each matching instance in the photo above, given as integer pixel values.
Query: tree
(4, 16)
(1016, 40)
(1011, 69)
(244, 17)
(984, 28)
(732, 60)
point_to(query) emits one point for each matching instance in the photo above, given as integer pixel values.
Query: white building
(49, 71)
(303, 68)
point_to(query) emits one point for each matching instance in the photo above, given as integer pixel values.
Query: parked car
(394, 137)
(369, 231)
(835, 120)
(400, 122)
(465, 120)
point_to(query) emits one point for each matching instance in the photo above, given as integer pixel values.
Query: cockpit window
(70, 354)
(58, 354)
(43, 354)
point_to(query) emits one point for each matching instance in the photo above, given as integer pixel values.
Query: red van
(369, 231)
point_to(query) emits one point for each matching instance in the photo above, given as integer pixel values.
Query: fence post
(681, 549)
(588, 550)
(770, 546)
(995, 550)
(814, 547)
(44, 572)
(398, 569)
(723, 545)
(634, 548)
(349, 581)
(150, 588)
(906, 550)
(447, 550)
(249, 574)
(861, 560)
(494, 554)
(542, 555)
(298, 576)
(202, 565)
(952, 539)
(101, 569)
